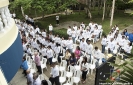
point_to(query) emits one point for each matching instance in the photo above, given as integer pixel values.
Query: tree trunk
(104, 10)
(35, 12)
(89, 13)
(112, 14)
(90, 4)
(98, 7)
(43, 14)
(94, 3)
(79, 8)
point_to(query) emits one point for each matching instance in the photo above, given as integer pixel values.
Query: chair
(70, 73)
(100, 61)
(43, 65)
(55, 58)
(62, 78)
(80, 61)
(76, 78)
(69, 81)
(92, 66)
(33, 69)
(63, 65)
(29, 61)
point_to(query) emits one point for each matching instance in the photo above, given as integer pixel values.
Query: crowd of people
(37, 42)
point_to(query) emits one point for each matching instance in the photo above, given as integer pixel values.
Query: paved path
(47, 15)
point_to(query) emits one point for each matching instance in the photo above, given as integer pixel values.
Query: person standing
(24, 65)
(38, 62)
(84, 69)
(29, 77)
(57, 19)
(50, 54)
(104, 43)
(36, 79)
(50, 28)
(54, 74)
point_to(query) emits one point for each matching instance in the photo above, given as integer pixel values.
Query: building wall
(11, 59)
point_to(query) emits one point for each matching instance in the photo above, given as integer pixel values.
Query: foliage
(126, 71)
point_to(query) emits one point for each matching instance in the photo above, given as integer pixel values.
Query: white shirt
(57, 17)
(69, 44)
(30, 78)
(55, 71)
(50, 53)
(104, 41)
(96, 54)
(84, 66)
(44, 34)
(73, 33)
(50, 27)
(24, 47)
(37, 81)
(43, 51)
(37, 30)
(75, 28)
(111, 45)
(127, 48)
(89, 48)
(82, 45)
(57, 49)
(69, 31)
(29, 51)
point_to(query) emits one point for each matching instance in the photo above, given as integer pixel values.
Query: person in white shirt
(57, 19)
(82, 45)
(96, 54)
(14, 15)
(43, 51)
(96, 34)
(111, 45)
(50, 54)
(57, 50)
(28, 50)
(24, 47)
(50, 28)
(69, 31)
(29, 77)
(54, 74)
(63, 43)
(82, 25)
(70, 44)
(89, 49)
(84, 69)
(75, 27)
(73, 32)
(36, 79)
(104, 43)
(37, 29)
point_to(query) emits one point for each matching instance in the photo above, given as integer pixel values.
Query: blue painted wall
(11, 59)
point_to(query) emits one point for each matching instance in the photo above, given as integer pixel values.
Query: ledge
(8, 37)
(4, 3)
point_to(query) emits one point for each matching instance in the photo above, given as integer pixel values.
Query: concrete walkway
(47, 15)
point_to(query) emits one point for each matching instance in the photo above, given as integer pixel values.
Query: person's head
(111, 39)
(35, 76)
(105, 36)
(67, 51)
(36, 53)
(44, 82)
(88, 41)
(125, 30)
(24, 58)
(123, 37)
(84, 59)
(53, 64)
(130, 44)
(83, 39)
(69, 38)
(96, 48)
(73, 55)
(28, 71)
(27, 46)
(49, 47)
(77, 48)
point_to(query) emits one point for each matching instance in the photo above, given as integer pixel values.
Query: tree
(104, 8)
(112, 13)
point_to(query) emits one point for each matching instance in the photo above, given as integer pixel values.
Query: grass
(120, 18)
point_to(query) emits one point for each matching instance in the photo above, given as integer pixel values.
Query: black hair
(96, 47)
(44, 82)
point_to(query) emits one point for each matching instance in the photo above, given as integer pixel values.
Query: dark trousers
(39, 69)
(57, 21)
(24, 72)
(84, 73)
(103, 48)
(50, 60)
(55, 80)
